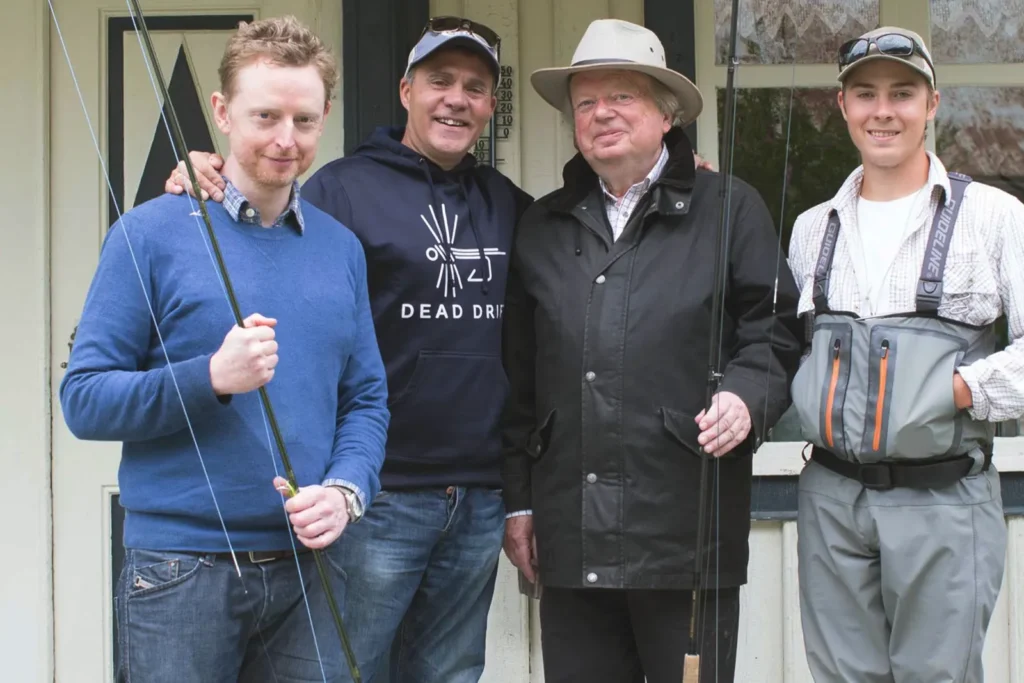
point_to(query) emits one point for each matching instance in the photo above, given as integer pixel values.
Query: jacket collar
(670, 191)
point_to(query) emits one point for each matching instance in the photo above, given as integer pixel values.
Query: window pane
(977, 31)
(980, 132)
(821, 157)
(804, 31)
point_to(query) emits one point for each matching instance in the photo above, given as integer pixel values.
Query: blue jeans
(186, 617)
(421, 567)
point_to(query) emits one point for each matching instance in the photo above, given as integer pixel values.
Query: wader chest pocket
(911, 412)
(881, 390)
(820, 386)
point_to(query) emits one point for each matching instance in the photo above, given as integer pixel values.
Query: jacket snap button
(591, 478)
(590, 376)
(536, 449)
(591, 577)
(600, 279)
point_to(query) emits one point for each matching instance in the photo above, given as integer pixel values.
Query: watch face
(355, 508)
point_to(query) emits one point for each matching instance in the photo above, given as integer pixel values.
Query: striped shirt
(983, 280)
(619, 210)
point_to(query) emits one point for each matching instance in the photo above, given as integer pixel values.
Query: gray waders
(901, 532)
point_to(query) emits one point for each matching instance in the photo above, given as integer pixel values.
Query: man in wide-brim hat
(607, 333)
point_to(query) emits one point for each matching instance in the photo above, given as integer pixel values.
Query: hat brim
(552, 84)
(845, 73)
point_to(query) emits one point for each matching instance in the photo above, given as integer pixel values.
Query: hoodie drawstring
(472, 224)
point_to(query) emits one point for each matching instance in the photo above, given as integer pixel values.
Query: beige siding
(25, 602)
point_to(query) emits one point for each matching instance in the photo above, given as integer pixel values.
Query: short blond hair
(283, 41)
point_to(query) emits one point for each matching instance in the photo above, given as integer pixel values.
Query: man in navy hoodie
(436, 228)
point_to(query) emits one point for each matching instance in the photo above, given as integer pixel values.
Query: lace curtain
(977, 31)
(989, 15)
(807, 31)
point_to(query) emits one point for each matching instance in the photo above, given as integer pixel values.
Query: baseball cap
(887, 42)
(456, 31)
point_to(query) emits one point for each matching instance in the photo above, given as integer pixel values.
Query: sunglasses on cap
(449, 24)
(891, 44)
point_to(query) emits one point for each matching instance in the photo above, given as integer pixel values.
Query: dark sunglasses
(446, 24)
(891, 44)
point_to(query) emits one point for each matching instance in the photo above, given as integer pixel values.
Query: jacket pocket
(821, 385)
(682, 428)
(450, 409)
(911, 412)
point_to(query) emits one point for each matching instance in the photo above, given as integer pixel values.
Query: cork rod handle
(691, 669)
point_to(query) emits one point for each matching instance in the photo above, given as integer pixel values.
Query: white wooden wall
(26, 625)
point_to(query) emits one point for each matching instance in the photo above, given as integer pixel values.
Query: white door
(125, 114)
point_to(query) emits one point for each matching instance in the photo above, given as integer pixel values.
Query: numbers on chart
(504, 117)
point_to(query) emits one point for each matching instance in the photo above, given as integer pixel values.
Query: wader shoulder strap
(929, 286)
(823, 268)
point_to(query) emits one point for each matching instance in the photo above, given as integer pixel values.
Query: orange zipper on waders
(830, 402)
(883, 368)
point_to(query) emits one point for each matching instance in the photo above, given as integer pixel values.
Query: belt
(883, 476)
(263, 556)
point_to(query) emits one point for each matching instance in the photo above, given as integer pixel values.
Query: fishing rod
(691, 662)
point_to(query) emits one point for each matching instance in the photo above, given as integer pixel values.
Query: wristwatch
(355, 508)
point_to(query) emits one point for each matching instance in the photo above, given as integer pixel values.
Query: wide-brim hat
(617, 44)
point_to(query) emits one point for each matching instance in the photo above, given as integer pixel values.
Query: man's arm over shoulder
(106, 394)
(762, 304)
(519, 351)
(363, 416)
(326, 191)
(997, 382)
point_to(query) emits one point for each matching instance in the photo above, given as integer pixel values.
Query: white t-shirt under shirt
(882, 227)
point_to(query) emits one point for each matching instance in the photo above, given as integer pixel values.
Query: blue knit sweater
(329, 390)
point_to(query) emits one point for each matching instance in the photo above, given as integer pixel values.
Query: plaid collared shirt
(982, 281)
(239, 208)
(619, 210)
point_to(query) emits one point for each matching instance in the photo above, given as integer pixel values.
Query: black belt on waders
(883, 476)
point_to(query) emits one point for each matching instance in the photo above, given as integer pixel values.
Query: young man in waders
(905, 270)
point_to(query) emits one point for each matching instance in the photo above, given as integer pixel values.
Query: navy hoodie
(437, 248)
